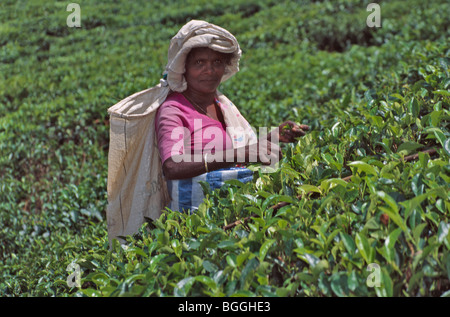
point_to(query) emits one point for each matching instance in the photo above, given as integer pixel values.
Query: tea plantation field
(359, 206)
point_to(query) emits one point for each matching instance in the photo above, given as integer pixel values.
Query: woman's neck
(200, 99)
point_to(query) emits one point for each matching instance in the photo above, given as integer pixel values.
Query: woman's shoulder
(175, 104)
(174, 99)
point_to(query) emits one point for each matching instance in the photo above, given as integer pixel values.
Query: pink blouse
(179, 127)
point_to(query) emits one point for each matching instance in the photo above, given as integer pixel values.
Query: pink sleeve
(170, 131)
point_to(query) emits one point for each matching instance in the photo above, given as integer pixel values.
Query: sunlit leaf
(265, 248)
(364, 167)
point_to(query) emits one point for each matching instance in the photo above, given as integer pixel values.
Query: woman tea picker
(166, 139)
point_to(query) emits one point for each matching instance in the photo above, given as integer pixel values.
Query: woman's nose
(208, 68)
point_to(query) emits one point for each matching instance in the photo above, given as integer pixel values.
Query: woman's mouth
(209, 80)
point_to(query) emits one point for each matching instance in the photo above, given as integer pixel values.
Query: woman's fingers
(289, 131)
(300, 129)
(304, 127)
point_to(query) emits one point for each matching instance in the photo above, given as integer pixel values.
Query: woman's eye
(200, 62)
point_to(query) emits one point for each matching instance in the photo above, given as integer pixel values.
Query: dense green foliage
(371, 95)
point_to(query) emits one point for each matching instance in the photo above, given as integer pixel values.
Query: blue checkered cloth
(187, 194)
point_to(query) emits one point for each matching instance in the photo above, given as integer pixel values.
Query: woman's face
(204, 70)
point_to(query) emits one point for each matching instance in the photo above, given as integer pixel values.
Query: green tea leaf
(413, 203)
(348, 242)
(100, 279)
(227, 244)
(250, 267)
(231, 260)
(386, 288)
(265, 248)
(414, 107)
(309, 188)
(364, 167)
(409, 147)
(309, 258)
(447, 265)
(395, 217)
(446, 146)
(328, 184)
(335, 129)
(377, 121)
(363, 246)
(206, 280)
(353, 281)
(388, 200)
(209, 266)
(339, 284)
(183, 287)
(390, 243)
(137, 250)
(176, 246)
(441, 92)
(443, 231)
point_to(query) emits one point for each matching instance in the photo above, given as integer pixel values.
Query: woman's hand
(289, 131)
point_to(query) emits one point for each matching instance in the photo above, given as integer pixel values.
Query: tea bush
(365, 192)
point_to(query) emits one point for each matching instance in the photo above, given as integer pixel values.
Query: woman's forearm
(180, 169)
(188, 166)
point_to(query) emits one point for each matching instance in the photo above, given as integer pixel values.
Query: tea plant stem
(413, 157)
(238, 222)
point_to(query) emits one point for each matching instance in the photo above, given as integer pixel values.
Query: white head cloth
(199, 34)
